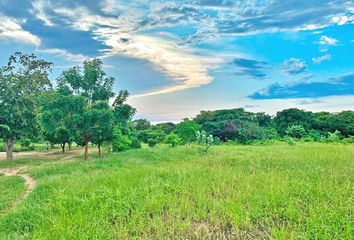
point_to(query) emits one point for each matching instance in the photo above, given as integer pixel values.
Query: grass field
(235, 192)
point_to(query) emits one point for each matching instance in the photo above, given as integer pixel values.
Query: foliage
(204, 140)
(21, 81)
(90, 81)
(172, 139)
(333, 137)
(145, 135)
(141, 124)
(186, 130)
(291, 117)
(25, 142)
(152, 142)
(124, 138)
(296, 131)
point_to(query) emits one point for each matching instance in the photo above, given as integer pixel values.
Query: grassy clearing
(246, 192)
(10, 189)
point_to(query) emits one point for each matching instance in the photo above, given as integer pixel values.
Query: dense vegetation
(271, 191)
(82, 108)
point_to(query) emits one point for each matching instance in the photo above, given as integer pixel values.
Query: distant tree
(186, 130)
(142, 124)
(264, 120)
(167, 127)
(293, 116)
(21, 81)
(172, 139)
(296, 131)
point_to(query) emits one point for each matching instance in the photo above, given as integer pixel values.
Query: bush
(333, 137)
(25, 142)
(290, 141)
(152, 142)
(204, 140)
(296, 131)
(172, 139)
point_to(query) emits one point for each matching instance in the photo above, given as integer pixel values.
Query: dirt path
(30, 183)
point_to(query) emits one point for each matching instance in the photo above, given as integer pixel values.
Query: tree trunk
(9, 145)
(63, 148)
(51, 145)
(86, 150)
(69, 144)
(110, 147)
(99, 150)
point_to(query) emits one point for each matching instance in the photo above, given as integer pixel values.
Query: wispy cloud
(294, 66)
(39, 11)
(332, 87)
(250, 67)
(64, 54)
(324, 40)
(187, 69)
(318, 60)
(11, 28)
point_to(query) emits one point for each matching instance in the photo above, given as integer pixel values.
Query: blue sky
(177, 57)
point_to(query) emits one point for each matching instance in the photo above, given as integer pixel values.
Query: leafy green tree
(172, 139)
(167, 127)
(59, 116)
(142, 124)
(101, 130)
(21, 81)
(90, 82)
(293, 116)
(186, 130)
(296, 131)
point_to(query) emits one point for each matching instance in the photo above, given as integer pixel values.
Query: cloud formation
(324, 40)
(11, 29)
(318, 60)
(332, 87)
(250, 67)
(294, 66)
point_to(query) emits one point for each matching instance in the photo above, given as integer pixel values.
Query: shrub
(296, 131)
(25, 142)
(333, 137)
(172, 139)
(152, 142)
(290, 141)
(204, 140)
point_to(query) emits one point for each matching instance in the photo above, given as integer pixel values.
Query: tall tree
(187, 129)
(21, 81)
(59, 116)
(90, 81)
(102, 120)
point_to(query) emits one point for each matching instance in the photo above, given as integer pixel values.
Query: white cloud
(11, 29)
(318, 60)
(294, 66)
(38, 10)
(64, 54)
(324, 40)
(187, 69)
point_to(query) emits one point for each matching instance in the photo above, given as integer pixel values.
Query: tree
(296, 131)
(293, 116)
(186, 130)
(21, 81)
(142, 124)
(172, 139)
(59, 116)
(90, 82)
(101, 130)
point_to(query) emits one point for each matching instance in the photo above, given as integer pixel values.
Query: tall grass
(234, 192)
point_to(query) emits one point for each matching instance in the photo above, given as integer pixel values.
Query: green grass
(236, 192)
(10, 189)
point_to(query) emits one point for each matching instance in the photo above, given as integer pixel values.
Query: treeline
(77, 109)
(244, 127)
(82, 108)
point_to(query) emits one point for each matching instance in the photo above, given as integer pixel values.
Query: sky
(178, 57)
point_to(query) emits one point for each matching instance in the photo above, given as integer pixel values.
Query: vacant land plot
(234, 192)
